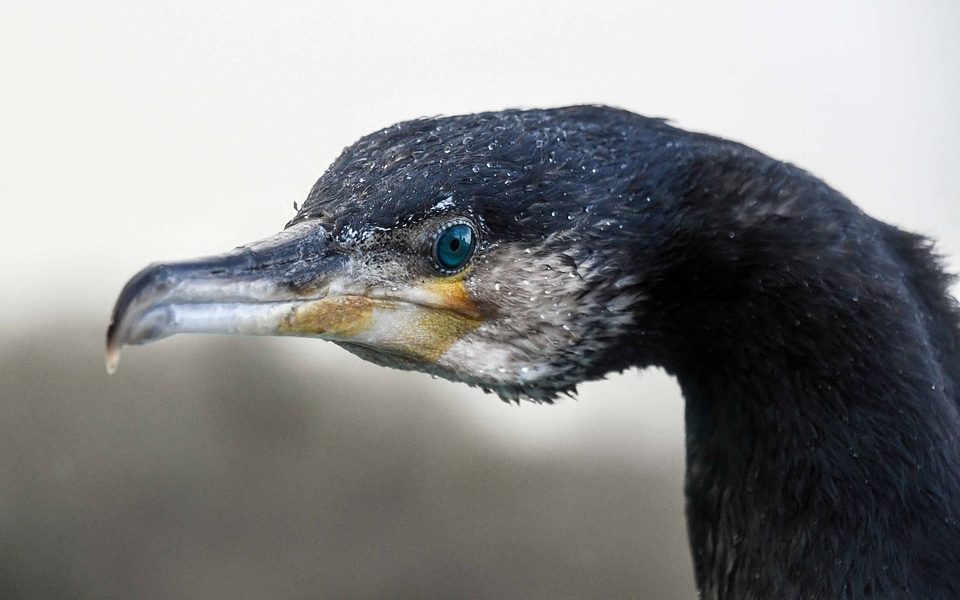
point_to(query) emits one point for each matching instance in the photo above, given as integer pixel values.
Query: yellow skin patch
(339, 317)
(453, 295)
(440, 314)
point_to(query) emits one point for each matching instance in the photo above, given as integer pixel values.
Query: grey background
(262, 468)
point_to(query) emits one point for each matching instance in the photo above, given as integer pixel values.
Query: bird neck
(823, 436)
(794, 491)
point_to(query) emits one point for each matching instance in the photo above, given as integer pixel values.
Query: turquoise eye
(453, 247)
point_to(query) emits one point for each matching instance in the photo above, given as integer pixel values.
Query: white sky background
(132, 132)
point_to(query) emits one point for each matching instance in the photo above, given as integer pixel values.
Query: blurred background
(282, 468)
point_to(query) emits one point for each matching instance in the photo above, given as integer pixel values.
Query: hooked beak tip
(113, 350)
(113, 359)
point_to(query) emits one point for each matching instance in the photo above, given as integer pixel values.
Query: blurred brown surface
(222, 470)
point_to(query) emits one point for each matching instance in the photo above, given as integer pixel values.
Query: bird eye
(453, 246)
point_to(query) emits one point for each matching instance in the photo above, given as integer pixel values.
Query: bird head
(496, 249)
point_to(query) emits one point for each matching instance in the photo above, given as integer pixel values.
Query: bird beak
(299, 283)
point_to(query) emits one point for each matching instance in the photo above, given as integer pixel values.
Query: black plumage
(817, 348)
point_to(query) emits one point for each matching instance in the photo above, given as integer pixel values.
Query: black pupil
(454, 244)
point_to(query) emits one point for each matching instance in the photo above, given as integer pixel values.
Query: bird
(528, 251)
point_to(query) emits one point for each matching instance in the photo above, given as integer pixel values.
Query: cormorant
(526, 251)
